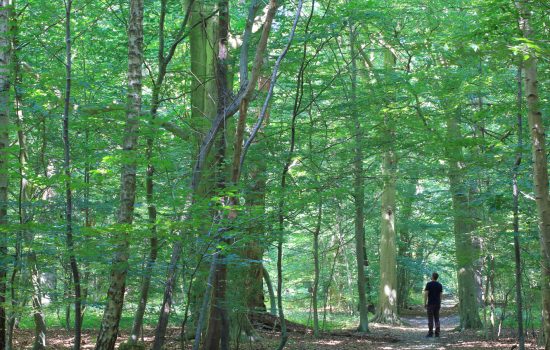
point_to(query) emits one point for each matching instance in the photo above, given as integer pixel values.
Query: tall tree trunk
(217, 334)
(115, 298)
(404, 274)
(540, 162)
(358, 193)
(464, 230)
(515, 210)
(254, 251)
(203, 109)
(5, 54)
(255, 202)
(387, 291)
(68, 190)
(24, 216)
(163, 60)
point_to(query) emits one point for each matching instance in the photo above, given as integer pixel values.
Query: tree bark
(316, 266)
(540, 162)
(115, 297)
(25, 218)
(68, 190)
(515, 210)
(464, 230)
(5, 61)
(358, 193)
(387, 290)
(38, 316)
(404, 273)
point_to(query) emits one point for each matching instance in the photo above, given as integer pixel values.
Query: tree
(540, 161)
(115, 298)
(5, 71)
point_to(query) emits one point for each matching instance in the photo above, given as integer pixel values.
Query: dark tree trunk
(68, 189)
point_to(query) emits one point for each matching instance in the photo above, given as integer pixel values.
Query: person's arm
(425, 297)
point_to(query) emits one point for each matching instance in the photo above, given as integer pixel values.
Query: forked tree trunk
(115, 297)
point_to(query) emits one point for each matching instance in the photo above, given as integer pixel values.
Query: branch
(176, 130)
(272, 85)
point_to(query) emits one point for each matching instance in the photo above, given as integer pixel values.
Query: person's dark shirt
(434, 289)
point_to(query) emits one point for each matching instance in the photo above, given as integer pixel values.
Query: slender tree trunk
(464, 230)
(358, 193)
(24, 219)
(272, 298)
(540, 162)
(115, 297)
(68, 189)
(149, 184)
(316, 264)
(5, 62)
(38, 316)
(515, 209)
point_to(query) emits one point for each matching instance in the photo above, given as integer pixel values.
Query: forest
(270, 174)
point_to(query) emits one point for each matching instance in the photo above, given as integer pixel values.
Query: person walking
(432, 303)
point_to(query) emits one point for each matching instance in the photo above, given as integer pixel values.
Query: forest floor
(410, 335)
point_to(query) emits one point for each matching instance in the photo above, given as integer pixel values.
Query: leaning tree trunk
(115, 297)
(5, 53)
(464, 229)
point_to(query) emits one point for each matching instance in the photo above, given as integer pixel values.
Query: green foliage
(456, 58)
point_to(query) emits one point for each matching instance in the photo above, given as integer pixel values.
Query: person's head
(435, 276)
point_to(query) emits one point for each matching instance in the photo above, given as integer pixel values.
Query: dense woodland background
(211, 167)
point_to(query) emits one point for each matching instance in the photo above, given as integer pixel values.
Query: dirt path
(412, 334)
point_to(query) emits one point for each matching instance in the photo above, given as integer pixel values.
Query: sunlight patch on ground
(328, 342)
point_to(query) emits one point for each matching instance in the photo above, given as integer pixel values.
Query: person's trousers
(433, 315)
